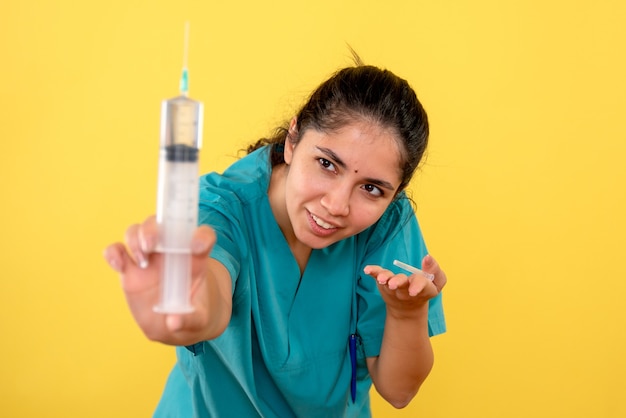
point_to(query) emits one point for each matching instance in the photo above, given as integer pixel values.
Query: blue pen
(353, 362)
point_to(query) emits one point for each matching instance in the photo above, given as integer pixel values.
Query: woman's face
(340, 183)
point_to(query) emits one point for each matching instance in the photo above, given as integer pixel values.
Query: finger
(203, 240)
(381, 275)
(431, 265)
(398, 281)
(115, 255)
(372, 270)
(417, 284)
(187, 323)
(148, 235)
(174, 323)
(134, 245)
(120, 260)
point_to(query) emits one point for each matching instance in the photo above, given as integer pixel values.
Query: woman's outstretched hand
(139, 266)
(401, 292)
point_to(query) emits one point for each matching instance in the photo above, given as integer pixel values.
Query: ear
(290, 141)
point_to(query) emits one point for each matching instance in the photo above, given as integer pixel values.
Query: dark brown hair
(361, 92)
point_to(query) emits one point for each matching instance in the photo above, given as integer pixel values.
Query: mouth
(320, 227)
(320, 222)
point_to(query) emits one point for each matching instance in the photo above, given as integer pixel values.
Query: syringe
(177, 200)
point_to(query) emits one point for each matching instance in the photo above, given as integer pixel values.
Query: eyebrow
(331, 154)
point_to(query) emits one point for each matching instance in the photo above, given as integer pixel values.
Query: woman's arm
(139, 267)
(406, 355)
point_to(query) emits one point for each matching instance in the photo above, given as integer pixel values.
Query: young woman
(297, 308)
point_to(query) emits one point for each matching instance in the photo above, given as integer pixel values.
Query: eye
(327, 165)
(373, 190)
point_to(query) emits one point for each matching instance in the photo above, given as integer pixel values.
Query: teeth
(321, 222)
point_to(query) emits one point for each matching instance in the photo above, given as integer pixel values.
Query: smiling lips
(321, 227)
(322, 223)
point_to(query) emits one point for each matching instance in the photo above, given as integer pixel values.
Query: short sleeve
(222, 215)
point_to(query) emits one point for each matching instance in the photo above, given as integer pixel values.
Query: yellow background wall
(522, 198)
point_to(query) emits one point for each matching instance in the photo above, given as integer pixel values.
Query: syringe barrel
(181, 122)
(177, 200)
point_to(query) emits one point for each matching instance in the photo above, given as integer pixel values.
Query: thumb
(430, 265)
(189, 322)
(174, 322)
(203, 240)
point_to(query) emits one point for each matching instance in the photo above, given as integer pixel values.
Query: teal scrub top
(285, 352)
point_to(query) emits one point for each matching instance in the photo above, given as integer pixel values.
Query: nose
(337, 201)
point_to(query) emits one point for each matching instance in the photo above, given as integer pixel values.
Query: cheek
(365, 215)
(301, 182)
(298, 191)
